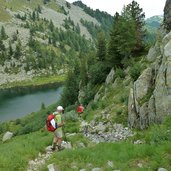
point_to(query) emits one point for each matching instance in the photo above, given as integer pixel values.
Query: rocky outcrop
(150, 97)
(167, 15)
(110, 77)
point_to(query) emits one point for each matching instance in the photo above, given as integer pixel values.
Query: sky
(150, 7)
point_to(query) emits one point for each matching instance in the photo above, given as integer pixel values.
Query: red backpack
(49, 125)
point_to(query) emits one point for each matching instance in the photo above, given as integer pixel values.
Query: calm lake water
(15, 103)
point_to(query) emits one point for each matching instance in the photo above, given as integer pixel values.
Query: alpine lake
(20, 101)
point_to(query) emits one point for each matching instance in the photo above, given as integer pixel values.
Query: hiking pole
(64, 132)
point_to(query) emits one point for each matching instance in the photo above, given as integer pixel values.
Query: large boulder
(142, 85)
(8, 135)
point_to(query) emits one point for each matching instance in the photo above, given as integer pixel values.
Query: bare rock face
(167, 15)
(150, 96)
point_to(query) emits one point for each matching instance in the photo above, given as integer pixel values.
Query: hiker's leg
(60, 140)
(55, 140)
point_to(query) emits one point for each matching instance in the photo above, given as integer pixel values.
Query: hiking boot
(53, 148)
(60, 148)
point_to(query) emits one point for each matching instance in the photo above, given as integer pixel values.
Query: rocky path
(35, 164)
(40, 160)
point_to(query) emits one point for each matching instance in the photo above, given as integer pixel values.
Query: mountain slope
(152, 25)
(43, 37)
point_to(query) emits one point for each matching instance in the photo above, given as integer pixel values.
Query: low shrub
(135, 71)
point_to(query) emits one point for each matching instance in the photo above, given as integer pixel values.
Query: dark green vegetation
(123, 49)
(124, 45)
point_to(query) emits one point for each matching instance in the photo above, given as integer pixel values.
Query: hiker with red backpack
(80, 109)
(54, 124)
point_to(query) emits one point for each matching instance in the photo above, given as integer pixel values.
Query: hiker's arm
(61, 124)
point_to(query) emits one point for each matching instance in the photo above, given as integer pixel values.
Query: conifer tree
(2, 46)
(10, 51)
(113, 56)
(71, 89)
(51, 26)
(3, 33)
(18, 51)
(101, 47)
(134, 13)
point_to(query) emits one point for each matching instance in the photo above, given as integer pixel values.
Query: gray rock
(167, 49)
(82, 170)
(144, 116)
(153, 88)
(138, 142)
(110, 77)
(51, 167)
(66, 145)
(81, 145)
(110, 164)
(153, 52)
(151, 110)
(162, 169)
(97, 169)
(132, 115)
(142, 85)
(140, 165)
(8, 135)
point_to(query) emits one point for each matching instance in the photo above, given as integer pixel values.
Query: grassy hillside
(153, 153)
(16, 153)
(124, 156)
(16, 5)
(4, 16)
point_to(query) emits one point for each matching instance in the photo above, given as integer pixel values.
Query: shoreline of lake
(35, 82)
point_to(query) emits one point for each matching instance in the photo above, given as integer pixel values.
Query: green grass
(4, 15)
(124, 155)
(15, 154)
(155, 153)
(115, 102)
(37, 81)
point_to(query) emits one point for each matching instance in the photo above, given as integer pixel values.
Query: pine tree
(113, 55)
(132, 12)
(2, 46)
(71, 89)
(51, 26)
(83, 70)
(33, 16)
(101, 47)
(3, 34)
(10, 51)
(18, 51)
